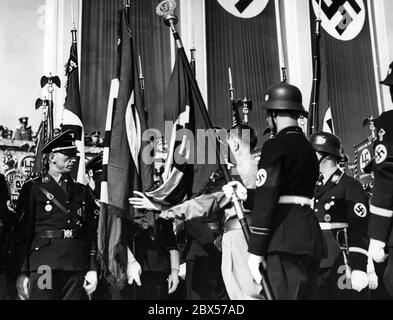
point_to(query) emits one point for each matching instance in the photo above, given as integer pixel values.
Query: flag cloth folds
(348, 80)
(192, 153)
(123, 170)
(72, 114)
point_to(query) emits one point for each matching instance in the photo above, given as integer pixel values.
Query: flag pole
(166, 9)
(314, 107)
(192, 50)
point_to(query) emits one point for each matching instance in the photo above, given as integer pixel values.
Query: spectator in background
(9, 134)
(23, 132)
(95, 139)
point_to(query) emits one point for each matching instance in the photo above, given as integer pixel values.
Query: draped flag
(192, 153)
(348, 81)
(72, 114)
(123, 168)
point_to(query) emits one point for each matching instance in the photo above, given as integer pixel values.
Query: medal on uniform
(328, 218)
(48, 207)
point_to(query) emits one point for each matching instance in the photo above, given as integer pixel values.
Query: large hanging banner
(98, 65)
(242, 35)
(348, 82)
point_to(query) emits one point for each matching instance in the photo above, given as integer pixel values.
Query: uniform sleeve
(267, 193)
(168, 234)
(381, 202)
(357, 212)
(203, 206)
(91, 228)
(24, 228)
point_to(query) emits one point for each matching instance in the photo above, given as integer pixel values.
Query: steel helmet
(284, 97)
(327, 143)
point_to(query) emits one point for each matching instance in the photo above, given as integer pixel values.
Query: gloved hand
(22, 286)
(183, 270)
(134, 269)
(235, 186)
(372, 276)
(372, 280)
(376, 250)
(143, 202)
(359, 280)
(254, 263)
(91, 281)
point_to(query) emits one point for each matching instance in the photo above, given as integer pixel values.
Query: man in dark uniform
(7, 224)
(381, 202)
(341, 207)
(56, 233)
(285, 235)
(23, 132)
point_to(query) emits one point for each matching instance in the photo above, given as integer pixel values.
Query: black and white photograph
(196, 155)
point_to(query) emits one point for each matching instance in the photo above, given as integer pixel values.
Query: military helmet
(284, 97)
(326, 143)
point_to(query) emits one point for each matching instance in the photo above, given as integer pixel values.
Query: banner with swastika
(342, 19)
(244, 8)
(348, 80)
(242, 35)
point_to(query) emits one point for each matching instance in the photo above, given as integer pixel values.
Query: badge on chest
(48, 207)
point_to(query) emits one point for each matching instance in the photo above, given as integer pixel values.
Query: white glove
(182, 271)
(359, 280)
(91, 281)
(22, 286)
(372, 280)
(235, 186)
(143, 202)
(134, 269)
(253, 264)
(376, 250)
(372, 276)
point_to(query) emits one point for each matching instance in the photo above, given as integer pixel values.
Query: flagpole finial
(166, 9)
(127, 3)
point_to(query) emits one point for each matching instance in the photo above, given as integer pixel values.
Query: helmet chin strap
(274, 125)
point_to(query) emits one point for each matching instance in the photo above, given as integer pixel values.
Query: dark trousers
(204, 279)
(293, 277)
(61, 285)
(388, 274)
(334, 285)
(7, 286)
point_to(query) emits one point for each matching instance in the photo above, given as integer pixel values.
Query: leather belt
(302, 201)
(333, 225)
(57, 234)
(234, 224)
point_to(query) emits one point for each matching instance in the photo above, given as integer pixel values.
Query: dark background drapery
(99, 58)
(250, 48)
(349, 83)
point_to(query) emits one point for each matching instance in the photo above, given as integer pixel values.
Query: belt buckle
(68, 234)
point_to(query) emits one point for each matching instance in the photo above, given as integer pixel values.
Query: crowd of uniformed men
(314, 232)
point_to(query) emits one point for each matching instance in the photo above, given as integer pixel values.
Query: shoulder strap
(53, 199)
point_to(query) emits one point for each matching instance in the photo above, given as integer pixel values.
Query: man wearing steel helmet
(285, 236)
(342, 209)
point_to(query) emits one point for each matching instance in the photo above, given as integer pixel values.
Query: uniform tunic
(40, 221)
(287, 234)
(341, 207)
(381, 202)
